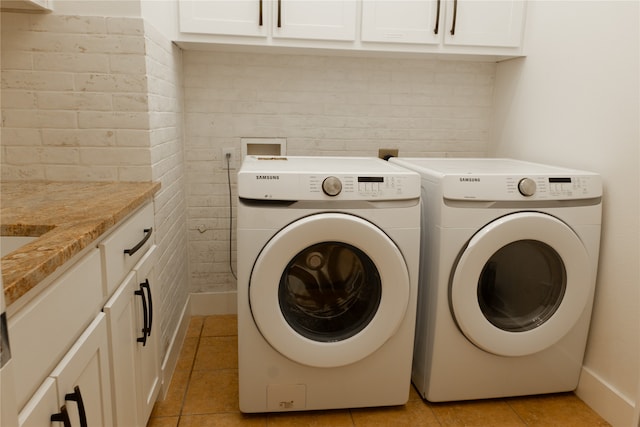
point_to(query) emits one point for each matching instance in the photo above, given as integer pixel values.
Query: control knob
(331, 186)
(527, 187)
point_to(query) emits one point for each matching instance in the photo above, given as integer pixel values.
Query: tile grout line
(193, 362)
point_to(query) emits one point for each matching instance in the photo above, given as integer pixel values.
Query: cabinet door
(148, 353)
(232, 17)
(496, 23)
(86, 366)
(44, 330)
(30, 5)
(38, 410)
(121, 321)
(315, 19)
(402, 21)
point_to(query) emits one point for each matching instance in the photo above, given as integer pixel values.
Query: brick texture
(322, 105)
(100, 99)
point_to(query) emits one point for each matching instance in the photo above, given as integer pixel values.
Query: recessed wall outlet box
(385, 153)
(263, 146)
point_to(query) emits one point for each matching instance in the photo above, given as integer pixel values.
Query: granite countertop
(66, 217)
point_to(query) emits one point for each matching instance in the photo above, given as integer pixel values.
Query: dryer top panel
(489, 179)
(325, 178)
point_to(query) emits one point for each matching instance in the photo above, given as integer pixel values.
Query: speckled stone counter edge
(66, 217)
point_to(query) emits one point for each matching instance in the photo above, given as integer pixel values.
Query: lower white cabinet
(78, 391)
(80, 362)
(44, 403)
(148, 354)
(134, 337)
(121, 318)
(45, 329)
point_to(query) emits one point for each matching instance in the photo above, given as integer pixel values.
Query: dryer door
(521, 284)
(329, 290)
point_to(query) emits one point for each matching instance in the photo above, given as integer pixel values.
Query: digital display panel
(370, 179)
(559, 180)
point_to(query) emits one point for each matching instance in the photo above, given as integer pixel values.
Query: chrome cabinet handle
(76, 396)
(435, 30)
(145, 319)
(455, 15)
(62, 417)
(136, 248)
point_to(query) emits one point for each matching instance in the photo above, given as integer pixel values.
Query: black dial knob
(331, 186)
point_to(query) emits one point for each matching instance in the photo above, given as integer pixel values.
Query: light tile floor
(204, 393)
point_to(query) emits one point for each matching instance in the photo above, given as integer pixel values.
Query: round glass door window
(330, 291)
(522, 285)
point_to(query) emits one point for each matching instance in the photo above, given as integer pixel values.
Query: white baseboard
(212, 303)
(609, 403)
(173, 352)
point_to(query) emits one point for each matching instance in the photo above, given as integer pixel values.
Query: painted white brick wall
(322, 105)
(100, 99)
(164, 103)
(95, 98)
(74, 90)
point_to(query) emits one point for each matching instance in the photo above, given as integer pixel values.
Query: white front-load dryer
(328, 253)
(508, 268)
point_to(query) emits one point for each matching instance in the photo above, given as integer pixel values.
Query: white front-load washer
(328, 253)
(507, 277)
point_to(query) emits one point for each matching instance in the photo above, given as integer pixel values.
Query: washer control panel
(332, 186)
(325, 178)
(359, 187)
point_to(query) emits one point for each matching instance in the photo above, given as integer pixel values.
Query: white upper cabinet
(315, 19)
(475, 27)
(401, 21)
(230, 17)
(294, 19)
(497, 23)
(26, 5)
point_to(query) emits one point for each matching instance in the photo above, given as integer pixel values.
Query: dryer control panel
(521, 187)
(499, 179)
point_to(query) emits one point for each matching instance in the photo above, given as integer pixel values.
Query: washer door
(329, 290)
(521, 284)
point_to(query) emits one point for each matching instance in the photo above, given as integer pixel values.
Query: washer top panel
(490, 179)
(325, 178)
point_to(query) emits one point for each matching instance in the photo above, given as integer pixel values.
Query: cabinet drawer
(46, 328)
(135, 235)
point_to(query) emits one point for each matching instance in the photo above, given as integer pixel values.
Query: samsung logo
(267, 177)
(469, 179)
